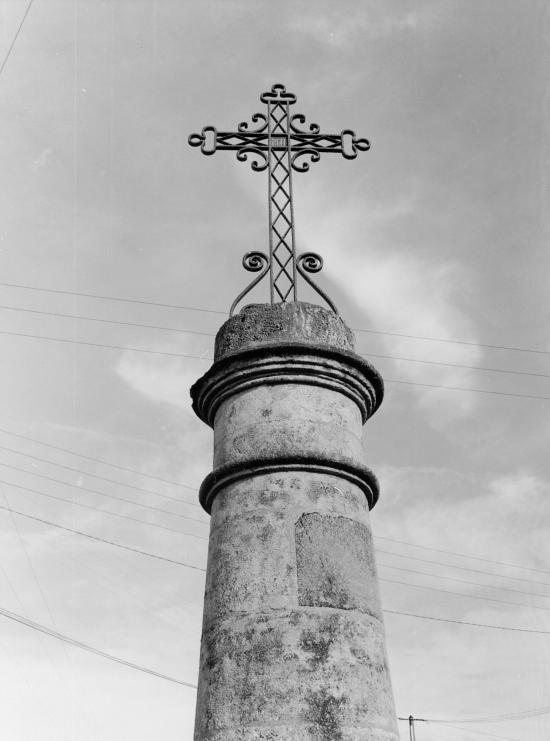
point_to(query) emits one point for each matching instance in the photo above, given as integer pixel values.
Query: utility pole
(293, 643)
(412, 734)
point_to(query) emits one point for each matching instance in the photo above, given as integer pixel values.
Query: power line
(465, 622)
(79, 504)
(106, 321)
(392, 612)
(462, 594)
(97, 476)
(377, 537)
(16, 36)
(463, 581)
(102, 540)
(460, 555)
(462, 568)
(462, 388)
(31, 566)
(103, 511)
(199, 357)
(94, 491)
(455, 365)
(114, 298)
(98, 460)
(212, 334)
(518, 715)
(454, 342)
(86, 647)
(98, 344)
(198, 568)
(467, 730)
(479, 733)
(225, 313)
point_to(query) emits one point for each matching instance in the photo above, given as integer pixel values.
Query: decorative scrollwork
(311, 262)
(351, 144)
(278, 94)
(206, 140)
(245, 127)
(258, 158)
(300, 118)
(254, 262)
(314, 155)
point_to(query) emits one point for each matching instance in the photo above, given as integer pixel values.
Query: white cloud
(164, 378)
(502, 518)
(448, 670)
(401, 292)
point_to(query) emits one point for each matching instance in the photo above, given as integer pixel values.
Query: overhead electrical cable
(464, 388)
(463, 581)
(391, 553)
(98, 344)
(376, 537)
(461, 555)
(212, 334)
(517, 715)
(28, 558)
(461, 568)
(86, 647)
(114, 298)
(479, 733)
(40, 590)
(98, 493)
(462, 594)
(103, 511)
(466, 622)
(97, 476)
(467, 730)
(203, 358)
(198, 568)
(392, 612)
(97, 460)
(107, 321)
(225, 313)
(102, 540)
(455, 365)
(454, 342)
(16, 36)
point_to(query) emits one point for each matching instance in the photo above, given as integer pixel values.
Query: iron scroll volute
(254, 262)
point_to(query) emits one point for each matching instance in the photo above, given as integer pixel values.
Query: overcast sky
(439, 231)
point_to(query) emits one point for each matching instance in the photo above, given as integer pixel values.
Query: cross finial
(277, 142)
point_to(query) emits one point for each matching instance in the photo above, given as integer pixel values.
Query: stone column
(293, 641)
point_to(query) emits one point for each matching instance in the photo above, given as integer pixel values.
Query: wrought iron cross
(277, 144)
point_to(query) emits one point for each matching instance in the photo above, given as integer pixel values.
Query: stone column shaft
(293, 641)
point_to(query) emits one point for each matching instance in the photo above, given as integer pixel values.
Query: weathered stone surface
(279, 420)
(309, 670)
(261, 324)
(293, 638)
(335, 563)
(271, 665)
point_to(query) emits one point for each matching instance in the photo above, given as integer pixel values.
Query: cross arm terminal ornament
(276, 141)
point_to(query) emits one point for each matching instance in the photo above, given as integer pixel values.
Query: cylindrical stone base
(293, 641)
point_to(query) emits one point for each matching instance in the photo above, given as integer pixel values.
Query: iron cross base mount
(277, 143)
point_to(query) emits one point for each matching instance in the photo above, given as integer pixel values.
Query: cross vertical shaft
(282, 246)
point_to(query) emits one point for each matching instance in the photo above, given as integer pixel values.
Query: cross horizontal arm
(298, 143)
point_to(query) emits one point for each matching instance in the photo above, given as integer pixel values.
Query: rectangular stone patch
(335, 564)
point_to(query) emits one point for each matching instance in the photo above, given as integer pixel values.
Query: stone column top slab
(258, 325)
